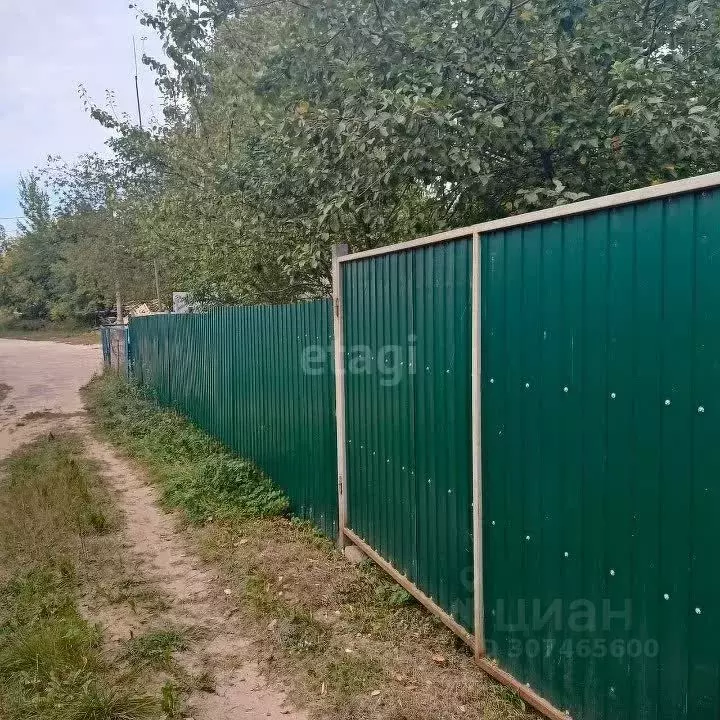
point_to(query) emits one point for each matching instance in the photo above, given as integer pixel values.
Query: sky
(48, 49)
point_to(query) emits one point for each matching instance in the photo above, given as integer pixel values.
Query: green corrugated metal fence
(261, 380)
(407, 392)
(601, 387)
(594, 452)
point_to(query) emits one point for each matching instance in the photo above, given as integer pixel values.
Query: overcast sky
(47, 49)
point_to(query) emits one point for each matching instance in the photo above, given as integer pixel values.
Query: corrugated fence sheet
(601, 469)
(407, 320)
(261, 380)
(115, 343)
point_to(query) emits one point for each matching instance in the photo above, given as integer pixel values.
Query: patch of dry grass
(54, 520)
(47, 415)
(354, 644)
(54, 334)
(4, 391)
(50, 502)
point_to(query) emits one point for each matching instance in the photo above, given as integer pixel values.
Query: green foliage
(290, 126)
(195, 472)
(51, 664)
(155, 648)
(68, 262)
(44, 648)
(94, 701)
(26, 267)
(171, 702)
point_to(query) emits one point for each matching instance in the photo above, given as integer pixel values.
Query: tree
(101, 253)
(492, 107)
(27, 268)
(291, 126)
(35, 204)
(70, 262)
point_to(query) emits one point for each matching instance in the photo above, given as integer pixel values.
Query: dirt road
(39, 393)
(40, 377)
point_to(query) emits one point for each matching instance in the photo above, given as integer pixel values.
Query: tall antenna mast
(139, 112)
(137, 86)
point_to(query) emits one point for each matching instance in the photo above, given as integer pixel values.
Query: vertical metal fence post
(476, 370)
(339, 251)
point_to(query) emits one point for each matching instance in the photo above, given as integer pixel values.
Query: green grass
(66, 331)
(155, 649)
(49, 501)
(194, 471)
(52, 665)
(172, 702)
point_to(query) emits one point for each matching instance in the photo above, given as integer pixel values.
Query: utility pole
(118, 303)
(157, 282)
(137, 86)
(140, 122)
(116, 268)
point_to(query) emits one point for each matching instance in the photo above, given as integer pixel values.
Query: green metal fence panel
(106, 348)
(149, 354)
(261, 380)
(407, 319)
(601, 463)
(600, 406)
(116, 350)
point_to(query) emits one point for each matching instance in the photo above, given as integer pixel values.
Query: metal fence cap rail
(652, 192)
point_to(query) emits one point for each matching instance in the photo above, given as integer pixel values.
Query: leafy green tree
(35, 204)
(101, 252)
(28, 285)
(70, 262)
(292, 126)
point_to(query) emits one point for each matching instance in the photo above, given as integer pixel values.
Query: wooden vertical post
(338, 334)
(476, 369)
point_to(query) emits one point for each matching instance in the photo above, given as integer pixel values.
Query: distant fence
(115, 342)
(243, 375)
(527, 415)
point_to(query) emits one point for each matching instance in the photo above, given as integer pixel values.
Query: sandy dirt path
(40, 377)
(45, 378)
